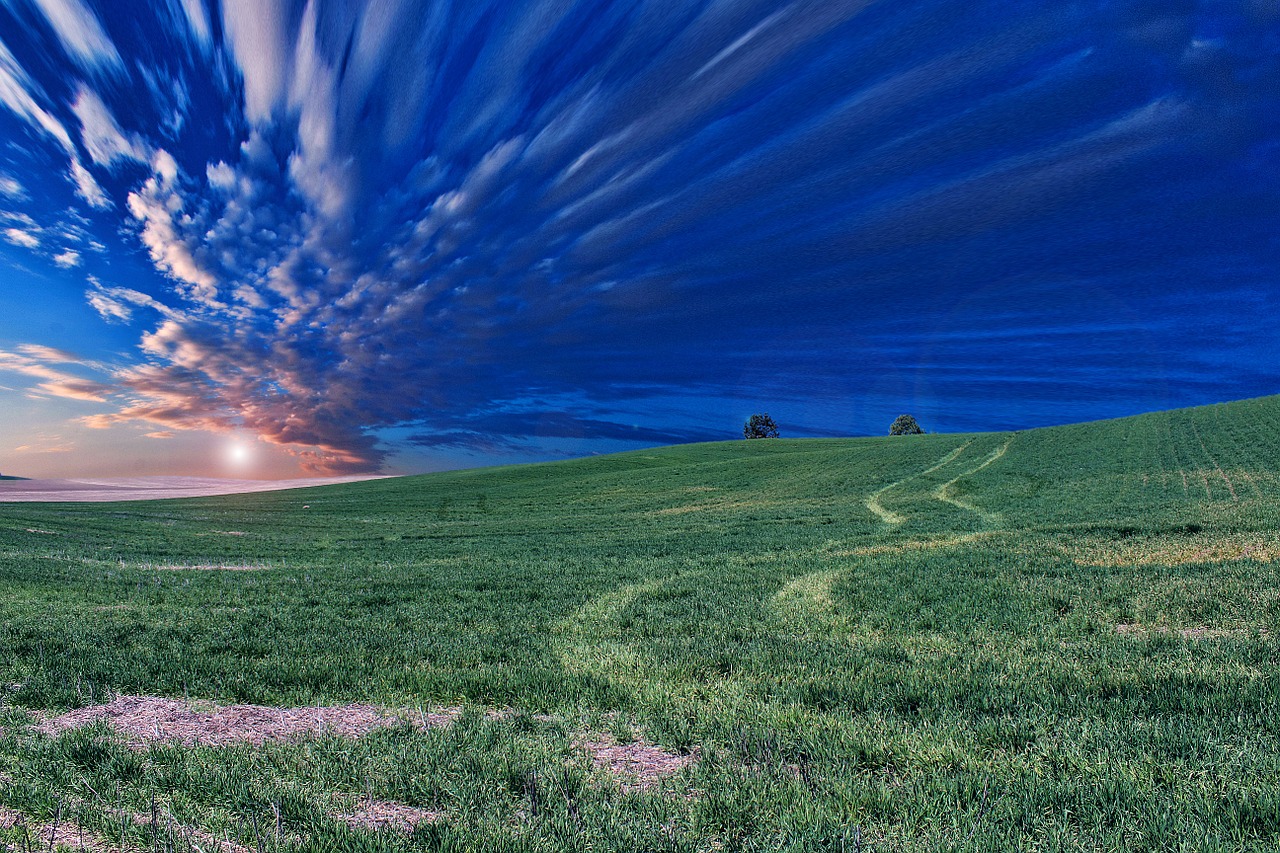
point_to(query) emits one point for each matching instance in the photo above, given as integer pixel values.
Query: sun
(239, 454)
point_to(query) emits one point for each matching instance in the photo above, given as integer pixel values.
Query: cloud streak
(431, 219)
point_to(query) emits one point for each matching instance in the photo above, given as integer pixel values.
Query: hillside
(1052, 639)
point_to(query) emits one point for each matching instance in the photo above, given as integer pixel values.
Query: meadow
(1057, 639)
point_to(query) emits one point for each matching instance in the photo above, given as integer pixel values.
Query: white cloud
(87, 187)
(48, 353)
(165, 166)
(118, 303)
(18, 237)
(155, 205)
(81, 34)
(109, 308)
(197, 19)
(256, 33)
(101, 135)
(67, 259)
(221, 176)
(19, 93)
(10, 187)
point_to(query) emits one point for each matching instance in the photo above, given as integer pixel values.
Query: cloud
(49, 354)
(158, 206)
(259, 35)
(68, 259)
(11, 188)
(491, 226)
(50, 445)
(109, 308)
(197, 18)
(47, 364)
(21, 95)
(81, 34)
(18, 237)
(77, 389)
(511, 430)
(87, 186)
(101, 135)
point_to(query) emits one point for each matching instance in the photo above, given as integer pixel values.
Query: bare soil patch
(67, 834)
(144, 720)
(379, 815)
(48, 836)
(637, 766)
(193, 838)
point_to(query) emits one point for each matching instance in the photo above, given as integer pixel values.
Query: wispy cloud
(20, 94)
(101, 135)
(49, 367)
(81, 34)
(19, 237)
(11, 188)
(481, 225)
(67, 259)
(88, 188)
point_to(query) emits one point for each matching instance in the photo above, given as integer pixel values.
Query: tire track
(808, 596)
(943, 492)
(888, 516)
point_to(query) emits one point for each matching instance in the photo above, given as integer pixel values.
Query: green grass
(1059, 639)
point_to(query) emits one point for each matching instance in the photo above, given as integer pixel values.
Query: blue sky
(401, 236)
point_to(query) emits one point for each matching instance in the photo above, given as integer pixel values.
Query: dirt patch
(144, 720)
(66, 833)
(47, 836)
(638, 765)
(1200, 632)
(380, 815)
(193, 838)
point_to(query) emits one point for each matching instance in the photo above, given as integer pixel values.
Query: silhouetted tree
(760, 426)
(905, 425)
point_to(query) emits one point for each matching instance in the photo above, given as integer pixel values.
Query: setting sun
(239, 454)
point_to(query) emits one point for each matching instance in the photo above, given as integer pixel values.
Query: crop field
(1058, 639)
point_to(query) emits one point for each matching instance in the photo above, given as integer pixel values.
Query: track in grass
(890, 517)
(945, 491)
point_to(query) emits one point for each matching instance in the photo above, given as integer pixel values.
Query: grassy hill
(1057, 639)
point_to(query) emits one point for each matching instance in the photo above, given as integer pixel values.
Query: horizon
(194, 480)
(280, 240)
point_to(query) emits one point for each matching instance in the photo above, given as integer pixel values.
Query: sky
(277, 239)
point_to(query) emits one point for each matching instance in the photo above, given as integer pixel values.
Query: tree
(905, 425)
(760, 426)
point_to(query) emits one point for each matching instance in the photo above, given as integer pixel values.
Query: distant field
(1059, 639)
(144, 488)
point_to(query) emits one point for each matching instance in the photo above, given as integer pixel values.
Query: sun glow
(239, 454)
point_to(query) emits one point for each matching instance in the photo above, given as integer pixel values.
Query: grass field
(1059, 639)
